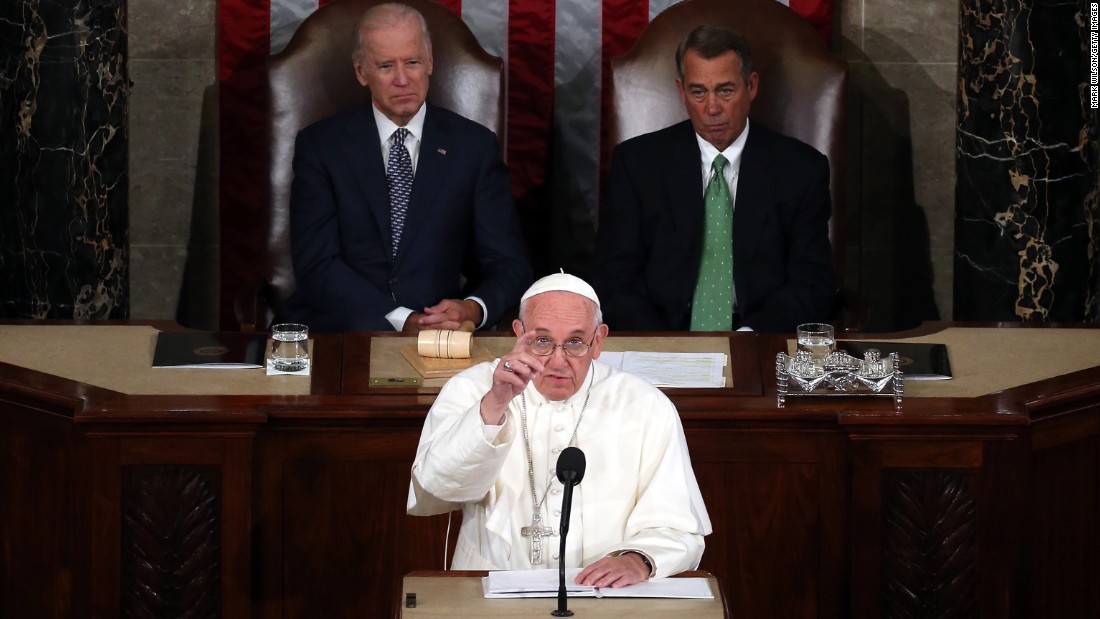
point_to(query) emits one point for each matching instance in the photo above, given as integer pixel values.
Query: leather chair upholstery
(801, 91)
(313, 78)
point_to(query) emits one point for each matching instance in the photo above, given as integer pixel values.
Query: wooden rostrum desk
(459, 595)
(131, 491)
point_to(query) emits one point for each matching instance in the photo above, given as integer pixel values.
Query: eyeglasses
(573, 347)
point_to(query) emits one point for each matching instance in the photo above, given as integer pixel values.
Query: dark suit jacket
(651, 230)
(461, 237)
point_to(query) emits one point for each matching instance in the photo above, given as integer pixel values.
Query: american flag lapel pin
(441, 151)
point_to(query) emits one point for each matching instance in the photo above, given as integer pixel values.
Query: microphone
(571, 466)
(570, 473)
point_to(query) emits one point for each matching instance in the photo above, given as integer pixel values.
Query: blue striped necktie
(399, 174)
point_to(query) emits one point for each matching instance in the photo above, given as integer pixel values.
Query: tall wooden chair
(313, 78)
(801, 92)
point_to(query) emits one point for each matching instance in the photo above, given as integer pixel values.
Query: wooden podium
(128, 490)
(458, 595)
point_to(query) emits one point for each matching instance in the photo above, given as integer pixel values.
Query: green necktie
(712, 304)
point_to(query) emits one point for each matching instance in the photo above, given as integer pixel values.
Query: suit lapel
(751, 210)
(431, 173)
(684, 180)
(364, 153)
(685, 190)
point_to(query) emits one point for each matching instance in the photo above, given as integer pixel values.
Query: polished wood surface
(458, 595)
(294, 506)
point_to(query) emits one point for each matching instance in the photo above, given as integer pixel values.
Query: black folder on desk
(918, 361)
(209, 350)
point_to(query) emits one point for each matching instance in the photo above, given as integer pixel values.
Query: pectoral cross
(536, 532)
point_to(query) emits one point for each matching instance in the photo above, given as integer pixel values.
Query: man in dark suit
(662, 248)
(401, 213)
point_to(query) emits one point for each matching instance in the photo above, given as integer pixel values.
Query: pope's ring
(507, 366)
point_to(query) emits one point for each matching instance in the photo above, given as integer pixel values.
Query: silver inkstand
(838, 374)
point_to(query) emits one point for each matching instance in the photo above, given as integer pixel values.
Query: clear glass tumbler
(817, 339)
(289, 347)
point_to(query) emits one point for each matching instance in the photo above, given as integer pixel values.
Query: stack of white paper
(544, 584)
(671, 369)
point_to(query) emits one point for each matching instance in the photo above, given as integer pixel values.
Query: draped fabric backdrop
(555, 53)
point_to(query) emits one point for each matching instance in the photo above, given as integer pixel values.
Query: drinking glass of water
(289, 347)
(817, 339)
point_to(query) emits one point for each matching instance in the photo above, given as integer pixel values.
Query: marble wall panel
(176, 30)
(943, 263)
(906, 193)
(900, 143)
(910, 31)
(63, 153)
(198, 298)
(167, 112)
(172, 191)
(848, 37)
(1027, 163)
(157, 296)
(932, 92)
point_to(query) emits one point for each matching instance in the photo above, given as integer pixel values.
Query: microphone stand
(566, 505)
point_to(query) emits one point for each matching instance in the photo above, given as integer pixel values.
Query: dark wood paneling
(334, 531)
(37, 546)
(129, 478)
(827, 508)
(942, 534)
(1065, 564)
(777, 511)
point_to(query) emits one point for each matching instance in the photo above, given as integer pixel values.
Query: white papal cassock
(638, 493)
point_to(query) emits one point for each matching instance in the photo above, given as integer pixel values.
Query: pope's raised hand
(510, 377)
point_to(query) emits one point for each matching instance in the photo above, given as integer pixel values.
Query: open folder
(544, 584)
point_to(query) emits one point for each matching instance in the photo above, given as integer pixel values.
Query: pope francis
(492, 438)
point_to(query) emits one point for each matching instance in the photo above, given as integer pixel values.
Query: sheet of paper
(683, 588)
(677, 369)
(533, 583)
(544, 583)
(614, 359)
(213, 366)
